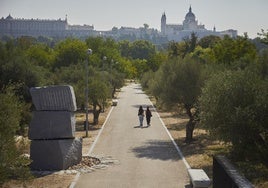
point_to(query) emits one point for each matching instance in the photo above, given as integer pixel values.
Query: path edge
(76, 178)
(172, 139)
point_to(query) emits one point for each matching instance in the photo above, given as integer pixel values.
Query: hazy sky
(243, 15)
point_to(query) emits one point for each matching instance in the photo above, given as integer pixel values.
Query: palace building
(17, 27)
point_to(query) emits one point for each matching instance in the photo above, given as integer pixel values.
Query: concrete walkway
(136, 157)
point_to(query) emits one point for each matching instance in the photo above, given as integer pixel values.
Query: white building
(178, 32)
(17, 27)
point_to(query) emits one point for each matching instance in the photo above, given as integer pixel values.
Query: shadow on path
(155, 149)
(142, 127)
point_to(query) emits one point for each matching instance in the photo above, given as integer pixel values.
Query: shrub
(11, 161)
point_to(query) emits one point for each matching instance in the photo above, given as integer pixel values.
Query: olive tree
(229, 50)
(234, 108)
(179, 82)
(98, 93)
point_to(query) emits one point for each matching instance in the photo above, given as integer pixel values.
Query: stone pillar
(52, 129)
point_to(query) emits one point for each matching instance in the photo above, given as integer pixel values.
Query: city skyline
(247, 17)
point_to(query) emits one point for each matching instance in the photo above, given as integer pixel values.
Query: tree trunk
(113, 92)
(102, 107)
(96, 113)
(190, 125)
(189, 131)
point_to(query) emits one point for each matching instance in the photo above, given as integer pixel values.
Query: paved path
(140, 157)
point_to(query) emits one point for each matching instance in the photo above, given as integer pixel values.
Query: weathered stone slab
(56, 98)
(55, 154)
(52, 125)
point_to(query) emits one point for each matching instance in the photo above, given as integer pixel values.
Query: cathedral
(178, 32)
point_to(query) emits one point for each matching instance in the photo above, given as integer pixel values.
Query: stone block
(199, 178)
(54, 98)
(55, 154)
(52, 125)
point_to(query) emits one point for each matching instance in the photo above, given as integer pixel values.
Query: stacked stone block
(52, 129)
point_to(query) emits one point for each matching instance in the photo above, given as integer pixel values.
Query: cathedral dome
(190, 16)
(9, 17)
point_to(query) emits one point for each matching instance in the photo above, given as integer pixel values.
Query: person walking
(141, 115)
(148, 116)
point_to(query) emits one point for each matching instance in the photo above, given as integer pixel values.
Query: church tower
(163, 23)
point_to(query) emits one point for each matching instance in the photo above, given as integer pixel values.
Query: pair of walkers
(148, 115)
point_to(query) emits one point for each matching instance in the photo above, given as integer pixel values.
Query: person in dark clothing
(148, 116)
(141, 115)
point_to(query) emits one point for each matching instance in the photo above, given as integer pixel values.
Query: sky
(242, 15)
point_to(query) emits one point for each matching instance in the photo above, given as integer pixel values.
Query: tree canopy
(236, 111)
(225, 70)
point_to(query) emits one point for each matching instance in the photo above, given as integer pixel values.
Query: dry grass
(51, 181)
(92, 131)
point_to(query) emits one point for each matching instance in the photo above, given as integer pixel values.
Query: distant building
(178, 32)
(17, 27)
(130, 33)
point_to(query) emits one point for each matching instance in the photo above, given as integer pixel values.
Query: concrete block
(114, 102)
(199, 178)
(52, 125)
(55, 154)
(55, 98)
